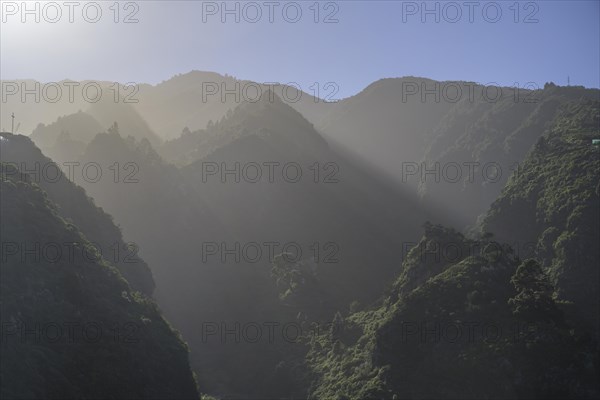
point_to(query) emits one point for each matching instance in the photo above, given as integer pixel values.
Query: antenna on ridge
(568, 81)
(12, 128)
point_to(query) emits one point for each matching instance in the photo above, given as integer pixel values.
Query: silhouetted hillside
(74, 204)
(72, 325)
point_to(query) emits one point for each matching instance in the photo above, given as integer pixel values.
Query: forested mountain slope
(72, 327)
(468, 315)
(551, 207)
(73, 204)
(457, 143)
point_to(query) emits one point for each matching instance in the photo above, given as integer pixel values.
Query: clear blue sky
(372, 40)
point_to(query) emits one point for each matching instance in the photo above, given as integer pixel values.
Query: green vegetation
(550, 209)
(483, 325)
(72, 327)
(544, 307)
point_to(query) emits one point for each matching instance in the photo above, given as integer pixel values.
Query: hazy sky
(543, 41)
